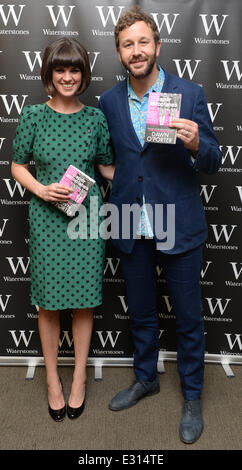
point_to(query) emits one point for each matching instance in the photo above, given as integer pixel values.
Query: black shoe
(191, 425)
(74, 413)
(57, 415)
(130, 396)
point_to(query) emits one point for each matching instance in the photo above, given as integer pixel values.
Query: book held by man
(81, 184)
(162, 108)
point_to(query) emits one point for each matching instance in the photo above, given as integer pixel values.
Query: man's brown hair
(132, 16)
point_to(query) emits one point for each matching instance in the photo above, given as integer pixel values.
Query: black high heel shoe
(74, 413)
(57, 415)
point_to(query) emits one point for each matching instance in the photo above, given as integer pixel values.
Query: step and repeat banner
(201, 41)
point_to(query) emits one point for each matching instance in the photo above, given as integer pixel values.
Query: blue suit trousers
(182, 274)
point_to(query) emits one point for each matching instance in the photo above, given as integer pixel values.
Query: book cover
(81, 183)
(162, 108)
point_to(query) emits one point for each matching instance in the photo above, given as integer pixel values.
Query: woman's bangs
(66, 57)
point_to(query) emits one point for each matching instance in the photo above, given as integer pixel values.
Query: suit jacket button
(140, 179)
(138, 199)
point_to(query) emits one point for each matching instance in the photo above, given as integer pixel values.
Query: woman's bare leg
(82, 324)
(49, 330)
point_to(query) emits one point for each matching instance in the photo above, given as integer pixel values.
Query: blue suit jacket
(164, 173)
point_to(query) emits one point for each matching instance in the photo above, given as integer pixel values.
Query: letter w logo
(13, 190)
(61, 13)
(237, 272)
(235, 68)
(207, 195)
(31, 63)
(67, 338)
(237, 340)
(14, 102)
(3, 226)
(11, 12)
(110, 14)
(224, 231)
(111, 266)
(22, 336)
(2, 304)
(212, 113)
(217, 303)
(187, 66)
(214, 22)
(165, 21)
(230, 152)
(109, 337)
(19, 263)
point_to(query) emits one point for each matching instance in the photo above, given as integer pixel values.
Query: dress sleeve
(104, 154)
(24, 137)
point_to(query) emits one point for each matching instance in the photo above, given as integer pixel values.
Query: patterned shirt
(138, 112)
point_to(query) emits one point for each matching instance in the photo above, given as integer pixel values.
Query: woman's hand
(54, 192)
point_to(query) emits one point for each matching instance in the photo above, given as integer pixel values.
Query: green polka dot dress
(66, 269)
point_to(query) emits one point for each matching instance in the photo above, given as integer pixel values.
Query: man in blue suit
(149, 174)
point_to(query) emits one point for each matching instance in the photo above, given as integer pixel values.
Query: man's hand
(187, 131)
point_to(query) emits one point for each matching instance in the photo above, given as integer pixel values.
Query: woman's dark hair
(65, 52)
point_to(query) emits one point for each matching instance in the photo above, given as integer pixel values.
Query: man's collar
(157, 86)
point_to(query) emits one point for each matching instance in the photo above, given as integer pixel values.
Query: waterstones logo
(1, 142)
(109, 16)
(237, 272)
(33, 59)
(108, 339)
(12, 104)
(186, 67)
(166, 22)
(18, 265)
(213, 109)
(10, 16)
(231, 70)
(106, 188)
(2, 230)
(13, 187)
(93, 56)
(204, 271)
(238, 208)
(65, 338)
(60, 15)
(217, 306)
(212, 25)
(239, 188)
(234, 340)
(22, 337)
(4, 302)
(111, 266)
(207, 192)
(123, 303)
(8, 13)
(229, 159)
(222, 233)
(168, 312)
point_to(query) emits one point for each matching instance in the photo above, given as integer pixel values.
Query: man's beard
(149, 66)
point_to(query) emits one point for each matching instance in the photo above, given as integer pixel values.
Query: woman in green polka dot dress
(66, 272)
